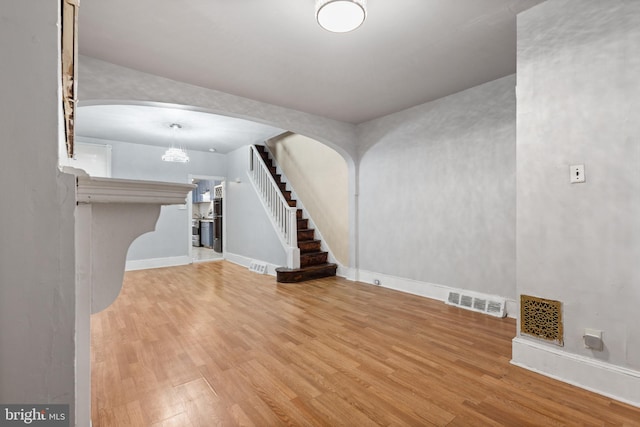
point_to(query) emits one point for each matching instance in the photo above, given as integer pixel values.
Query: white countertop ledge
(112, 190)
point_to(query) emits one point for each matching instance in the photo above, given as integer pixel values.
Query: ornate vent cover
(541, 318)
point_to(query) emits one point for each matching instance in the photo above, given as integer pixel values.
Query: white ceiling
(150, 125)
(406, 53)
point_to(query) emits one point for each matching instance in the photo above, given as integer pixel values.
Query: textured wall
(37, 274)
(578, 103)
(99, 80)
(319, 176)
(437, 191)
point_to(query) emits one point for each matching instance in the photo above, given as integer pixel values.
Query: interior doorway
(206, 219)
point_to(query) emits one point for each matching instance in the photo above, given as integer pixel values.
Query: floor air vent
(258, 267)
(482, 304)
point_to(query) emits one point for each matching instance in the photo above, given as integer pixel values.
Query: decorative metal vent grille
(541, 318)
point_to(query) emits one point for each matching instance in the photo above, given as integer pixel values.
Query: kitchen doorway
(206, 219)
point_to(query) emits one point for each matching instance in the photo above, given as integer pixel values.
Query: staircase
(313, 261)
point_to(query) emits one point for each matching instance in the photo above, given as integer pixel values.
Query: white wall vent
(494, 306)
(466, 301)
(454, 298)
(480, 304)
(258, 267)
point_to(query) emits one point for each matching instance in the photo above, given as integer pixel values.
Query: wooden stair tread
(309, 254)
(311, 267)
(297, 275)
(309, 246)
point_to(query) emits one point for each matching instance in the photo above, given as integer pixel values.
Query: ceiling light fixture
(175, 154)
(341, 16)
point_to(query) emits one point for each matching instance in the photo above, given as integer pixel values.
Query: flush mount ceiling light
(341, 16)
(175, 154)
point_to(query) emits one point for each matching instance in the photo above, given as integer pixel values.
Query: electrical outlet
(577, 173)
(593, 339)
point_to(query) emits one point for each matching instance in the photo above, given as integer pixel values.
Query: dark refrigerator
(217, 225)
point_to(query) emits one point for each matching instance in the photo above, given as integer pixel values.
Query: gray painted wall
(578, 103)
(137, 161)
(249, 231)
(37, 268)
(437, 191)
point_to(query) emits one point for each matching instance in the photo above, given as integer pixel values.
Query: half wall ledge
(112, 190)
(110, 215)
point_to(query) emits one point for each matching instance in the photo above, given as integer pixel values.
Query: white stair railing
(282, 216)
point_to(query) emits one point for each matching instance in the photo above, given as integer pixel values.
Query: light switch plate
(577, 173)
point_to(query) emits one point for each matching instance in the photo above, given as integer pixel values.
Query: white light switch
(577, 173)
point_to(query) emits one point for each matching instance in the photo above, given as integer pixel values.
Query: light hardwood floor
(213, 344)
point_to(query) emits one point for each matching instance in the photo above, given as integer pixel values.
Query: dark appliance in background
(195, 232)
(217, 225)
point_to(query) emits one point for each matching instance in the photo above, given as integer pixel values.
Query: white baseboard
(144, 264)
(346, 272)
(600, 377)
(512, 308)
(423, 289)
(245, 262)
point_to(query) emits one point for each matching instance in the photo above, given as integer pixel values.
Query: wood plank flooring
(213, 344)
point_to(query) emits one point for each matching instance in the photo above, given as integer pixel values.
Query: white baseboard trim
(600, 377)
(512, 308)
(245, 262)
(346, 272)
(423, 289)
(144, 264)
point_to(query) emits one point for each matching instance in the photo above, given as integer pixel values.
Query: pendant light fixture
(175, 154)
(341, 16)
